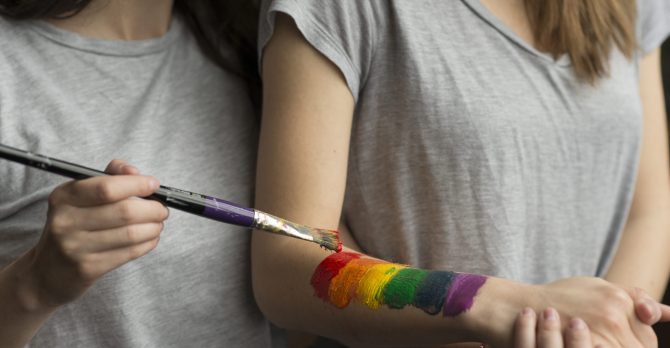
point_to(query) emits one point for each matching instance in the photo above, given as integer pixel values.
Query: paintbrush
(194, 203)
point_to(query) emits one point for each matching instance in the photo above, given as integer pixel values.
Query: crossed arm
(642, 259)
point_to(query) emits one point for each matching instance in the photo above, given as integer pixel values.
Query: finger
(120, 214)
(103, 262)
(93, 242)
(524, 329)
(648, 311)
(577, 334)
(121, 167)
(549, 330)
(665, 313)
(106, 189)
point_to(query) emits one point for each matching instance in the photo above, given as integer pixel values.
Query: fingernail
(129, 167)
(549, 314)
(153, 184)
(577, 324)
(527, 312)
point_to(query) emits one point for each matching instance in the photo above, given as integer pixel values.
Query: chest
(173, 115)
(450, 79)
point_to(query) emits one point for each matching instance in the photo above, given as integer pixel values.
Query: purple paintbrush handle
(229, 212)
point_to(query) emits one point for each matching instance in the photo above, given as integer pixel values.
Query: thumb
(647, 309)
(121, 167)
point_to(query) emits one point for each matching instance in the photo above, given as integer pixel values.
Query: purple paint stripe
(462, 293)
(228, 212)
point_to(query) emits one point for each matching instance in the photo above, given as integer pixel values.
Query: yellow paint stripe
(370, 289)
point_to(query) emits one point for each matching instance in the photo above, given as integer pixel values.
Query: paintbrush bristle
(328, 239)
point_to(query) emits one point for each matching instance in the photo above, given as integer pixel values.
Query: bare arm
(642, 259)
(21, 315)
(303, 153)
(93, 226)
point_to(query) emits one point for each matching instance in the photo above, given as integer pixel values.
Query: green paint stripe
(401, 289)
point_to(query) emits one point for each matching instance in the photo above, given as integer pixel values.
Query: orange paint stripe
(343, 286)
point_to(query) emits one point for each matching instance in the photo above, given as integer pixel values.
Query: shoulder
(12, 31)
(653, 23)
(15, 37)
(345, 31)
(10, 39)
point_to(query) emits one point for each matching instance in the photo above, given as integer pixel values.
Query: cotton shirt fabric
(162, 106)
(471, 150)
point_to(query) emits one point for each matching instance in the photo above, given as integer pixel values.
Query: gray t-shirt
(161, 105)
(471, 150)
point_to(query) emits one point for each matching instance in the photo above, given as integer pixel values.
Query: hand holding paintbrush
(201, 205)
(92, 227)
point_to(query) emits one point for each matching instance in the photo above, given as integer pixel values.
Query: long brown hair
(220, 23)
(215, 24)
(585, 30)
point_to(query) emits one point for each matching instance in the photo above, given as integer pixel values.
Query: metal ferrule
(274, 224)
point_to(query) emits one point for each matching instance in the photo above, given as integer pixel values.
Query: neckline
(491, 19)
(121, 48)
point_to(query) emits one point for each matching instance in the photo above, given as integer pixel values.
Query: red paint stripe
(327, 270)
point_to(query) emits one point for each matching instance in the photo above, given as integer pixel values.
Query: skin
(93, 226)
(642, 259)
(120, 20)
(544, 330)
(303, 153)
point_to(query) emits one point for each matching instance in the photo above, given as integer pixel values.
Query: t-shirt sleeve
(653, 23)
(343, 31)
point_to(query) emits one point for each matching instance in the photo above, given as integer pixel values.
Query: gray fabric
(471, 150)
(653, 24)
(161, 105)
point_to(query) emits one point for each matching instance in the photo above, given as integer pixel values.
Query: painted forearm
(347, 276)
(359, 300)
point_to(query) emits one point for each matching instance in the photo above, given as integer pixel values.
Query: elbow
(281, 287)
(267, 299)
(273, 284)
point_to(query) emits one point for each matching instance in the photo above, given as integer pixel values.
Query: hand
(93, 226)
(545, 331)
(608, 310)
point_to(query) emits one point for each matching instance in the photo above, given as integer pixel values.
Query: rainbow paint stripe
(345, 276)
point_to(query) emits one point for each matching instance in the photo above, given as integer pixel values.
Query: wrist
(496, 308)
(24, 285)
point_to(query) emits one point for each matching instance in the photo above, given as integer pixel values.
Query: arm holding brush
(93, 226)
(301, 175)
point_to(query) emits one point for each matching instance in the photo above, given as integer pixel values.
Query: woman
(497, 137)
(88, 81)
